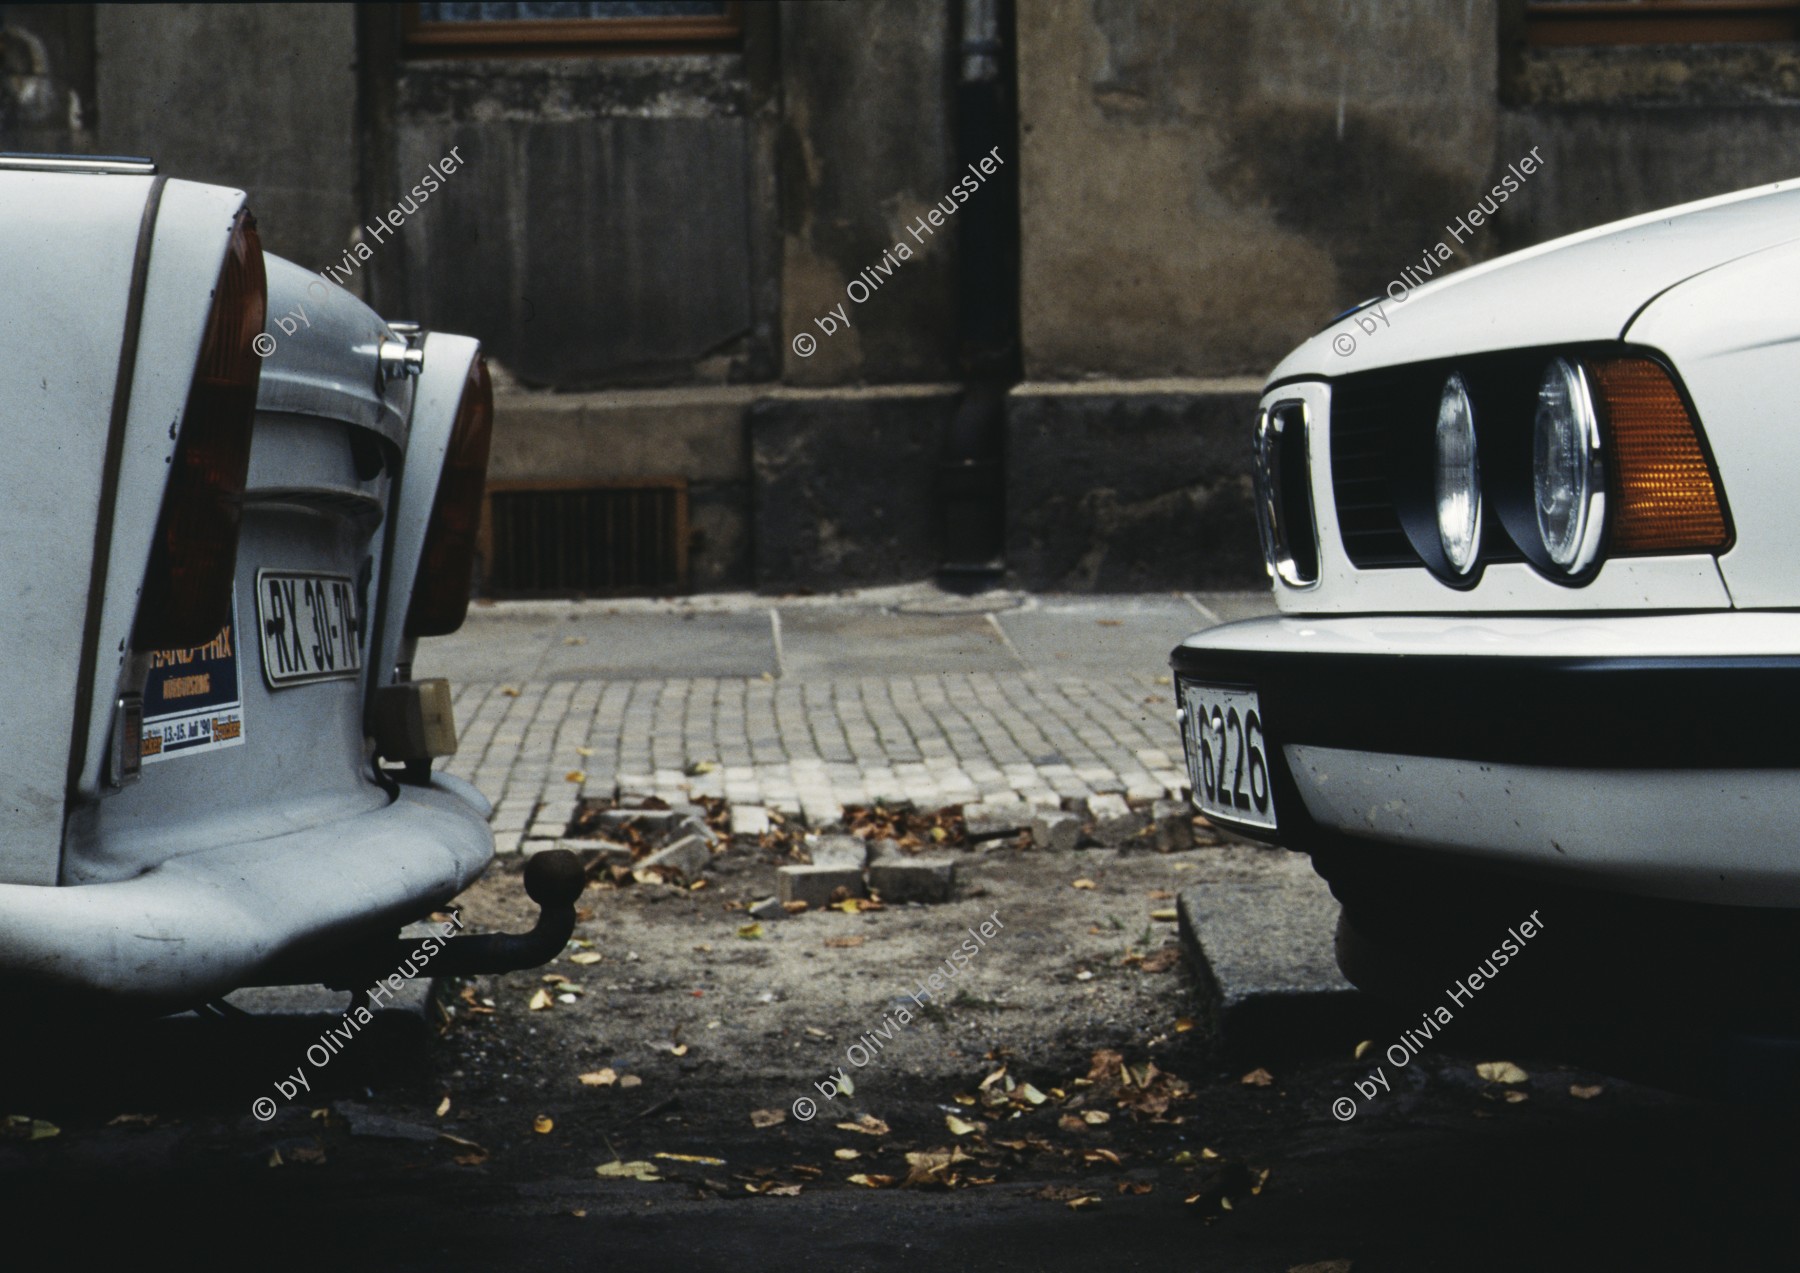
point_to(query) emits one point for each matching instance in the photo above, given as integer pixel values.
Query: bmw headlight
(1567, 476)
(1458, 483)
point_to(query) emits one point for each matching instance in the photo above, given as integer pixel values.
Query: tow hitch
(553, 879)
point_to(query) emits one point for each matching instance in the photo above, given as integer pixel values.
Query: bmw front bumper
(1657, 755)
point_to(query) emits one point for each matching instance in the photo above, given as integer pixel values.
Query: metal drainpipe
(972, 475)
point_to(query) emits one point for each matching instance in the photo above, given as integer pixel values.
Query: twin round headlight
(1566, 473)
(1568, 480)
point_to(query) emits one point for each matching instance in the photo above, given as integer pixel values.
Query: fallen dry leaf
(1161, 960)
(846, 1155)
(1258, 1077)
(444, 1105)
(575, 775)
(1166, 914)
(844, 943)
(1085, 1201)
(630, 1080)
(599, 1078)
(868, 1125)
(24, 1127)
(767, 1117)
(1095, 1117)
(1138, 1187)
(1083, 882)
(1362, 1049)
(543, 1125)
(704, 1160)
(1501, 1072)
(958, 1126)
(1184, 1024)
(617, 1170)
(871, 1182)
(586, 957)
(540, 999)
(750, 932)
(1585, 1091)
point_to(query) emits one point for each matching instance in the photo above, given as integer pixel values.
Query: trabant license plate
(1228, 760)
(309, 627)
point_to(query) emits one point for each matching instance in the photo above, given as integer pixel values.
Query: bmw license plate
(308, 625)
(1227, 753)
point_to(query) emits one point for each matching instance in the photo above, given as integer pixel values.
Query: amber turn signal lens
(440, 598)
(1666, 498)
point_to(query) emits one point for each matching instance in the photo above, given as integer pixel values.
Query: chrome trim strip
(79, 163)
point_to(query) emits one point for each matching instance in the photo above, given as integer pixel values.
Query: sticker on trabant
(194, 699)
(309, 627)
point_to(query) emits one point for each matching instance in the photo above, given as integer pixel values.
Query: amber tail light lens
(1667, 500)
(188, 587)
(440, 599)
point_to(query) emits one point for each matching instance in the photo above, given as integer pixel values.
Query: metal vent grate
(589, 539)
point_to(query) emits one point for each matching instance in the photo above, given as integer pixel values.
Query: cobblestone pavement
(904, 695)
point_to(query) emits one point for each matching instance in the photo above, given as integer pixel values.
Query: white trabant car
(237, 497)
(1534, 530)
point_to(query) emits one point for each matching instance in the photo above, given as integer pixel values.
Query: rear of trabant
(1534, 537)
(236, 498)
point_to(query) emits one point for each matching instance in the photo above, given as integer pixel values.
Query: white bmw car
(1534, 530)
(223, 544)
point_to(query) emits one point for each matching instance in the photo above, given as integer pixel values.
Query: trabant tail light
(1667, 500)
(188, 587)
(440, 597)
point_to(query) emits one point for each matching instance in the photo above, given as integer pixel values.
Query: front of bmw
(1534, 546)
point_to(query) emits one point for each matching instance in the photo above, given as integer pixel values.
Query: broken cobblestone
(1056, 830)
(688, 855)
(918, 879)
(818, 885)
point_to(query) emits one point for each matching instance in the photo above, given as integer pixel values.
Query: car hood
(1588, 286)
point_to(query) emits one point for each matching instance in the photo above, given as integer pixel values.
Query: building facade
(808, 295)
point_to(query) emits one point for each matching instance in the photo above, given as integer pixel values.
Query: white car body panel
(1700, 814)
(1599, 279)
(282, 846)
(67, 293)
(1734, 333)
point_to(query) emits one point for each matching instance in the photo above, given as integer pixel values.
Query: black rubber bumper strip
(1636, 713)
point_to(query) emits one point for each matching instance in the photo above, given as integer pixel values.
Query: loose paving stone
(991, 819)
(816, 885)
(1114, 821)
(689, 855)
(1174, 822)
(879, 849)
(749, 821)
(1056, 830)
(918, 879)
(610, 852)
(839, 850)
